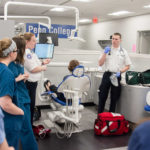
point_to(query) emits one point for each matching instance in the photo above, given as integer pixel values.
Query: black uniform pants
(31, 86)
(104, 91)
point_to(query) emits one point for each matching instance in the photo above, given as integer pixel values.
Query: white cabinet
(97, 82)
(132, 102)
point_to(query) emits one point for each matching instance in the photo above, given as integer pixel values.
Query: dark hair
(28, 36)
(21, 44)
(73, 64)
(4, 44)
(118, 34)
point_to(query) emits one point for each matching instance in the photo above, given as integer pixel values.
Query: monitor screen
(44, 51)
(43, 38)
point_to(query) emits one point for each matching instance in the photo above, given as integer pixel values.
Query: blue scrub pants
(27, 137)
(13, 125)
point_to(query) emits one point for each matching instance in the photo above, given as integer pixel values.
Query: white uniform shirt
(31, 62)
(117, 60)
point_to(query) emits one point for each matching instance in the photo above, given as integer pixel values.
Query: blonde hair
(28, 36)
(4, 44)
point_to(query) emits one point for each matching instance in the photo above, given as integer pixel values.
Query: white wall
(7, 28)
(128, 27)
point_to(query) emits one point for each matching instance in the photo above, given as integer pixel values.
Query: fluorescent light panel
(85, 21)
(86, 1)
(119, 13)
(147, 6)
(59, 9)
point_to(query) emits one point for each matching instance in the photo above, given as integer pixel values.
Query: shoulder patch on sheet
(29, 56)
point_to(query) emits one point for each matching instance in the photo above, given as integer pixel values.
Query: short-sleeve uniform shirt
(22, 92)
(117, 59)
(31, 62)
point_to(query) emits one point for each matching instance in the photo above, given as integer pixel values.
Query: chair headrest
(78, 71)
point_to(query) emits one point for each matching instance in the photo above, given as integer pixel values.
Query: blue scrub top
(2, 132)
(8, 88)
(140, 138)
(22, 92)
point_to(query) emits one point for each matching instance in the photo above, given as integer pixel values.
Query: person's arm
(46, 61)
(22, 77)
(4, 146)
(7, 105)
(102, 59)
(125, 69)
(39, 69)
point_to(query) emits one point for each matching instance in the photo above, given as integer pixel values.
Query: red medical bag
(41, 131)
(109, 123)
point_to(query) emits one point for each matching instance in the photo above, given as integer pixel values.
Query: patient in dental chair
(54, 89)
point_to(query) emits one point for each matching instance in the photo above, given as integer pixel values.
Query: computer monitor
(43, 38)
(44, 51)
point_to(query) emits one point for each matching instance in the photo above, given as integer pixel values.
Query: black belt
(31, 81)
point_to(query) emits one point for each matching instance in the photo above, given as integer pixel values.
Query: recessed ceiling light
(119, 13)
(147, 6)
(60, 9)
(83, 0)
(85, 21)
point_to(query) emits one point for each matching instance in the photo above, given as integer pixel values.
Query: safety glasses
(16, 51)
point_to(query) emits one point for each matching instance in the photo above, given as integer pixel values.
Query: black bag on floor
(37, 114)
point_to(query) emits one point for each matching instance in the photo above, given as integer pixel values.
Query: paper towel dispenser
(104, 43)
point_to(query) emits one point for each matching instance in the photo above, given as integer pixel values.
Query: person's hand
(26, 76)
(46, 61)
(20, 77)
(44, 67)
(118, 74)
(11, 148)
(107, 49)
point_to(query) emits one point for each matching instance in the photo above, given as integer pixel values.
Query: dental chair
(147, 106)
(65, 117)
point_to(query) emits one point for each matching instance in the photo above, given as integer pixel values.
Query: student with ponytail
(8, 94)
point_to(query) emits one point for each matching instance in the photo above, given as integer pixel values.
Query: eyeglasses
(16, 51)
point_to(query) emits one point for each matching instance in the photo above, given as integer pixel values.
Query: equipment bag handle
(113, 130)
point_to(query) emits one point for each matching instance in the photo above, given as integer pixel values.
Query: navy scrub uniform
(31, 62)
(139, 139)
(114, 62)
(26, 134)
(12, 123)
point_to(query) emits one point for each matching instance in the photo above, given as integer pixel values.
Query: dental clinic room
(74, 74)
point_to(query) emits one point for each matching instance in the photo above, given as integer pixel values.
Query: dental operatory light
(72, 37)
(119, 13)
(58, 9)
(147, 6)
